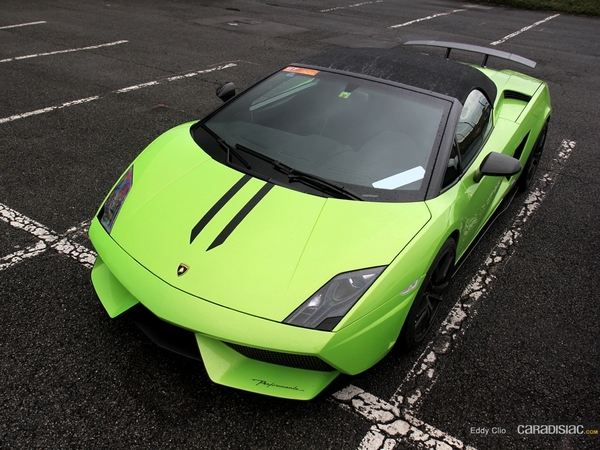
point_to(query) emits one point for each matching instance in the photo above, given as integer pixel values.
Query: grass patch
(585, 7)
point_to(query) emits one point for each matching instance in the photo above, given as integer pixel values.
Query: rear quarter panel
(516, 117)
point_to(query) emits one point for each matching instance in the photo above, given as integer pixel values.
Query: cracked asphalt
(518, 340)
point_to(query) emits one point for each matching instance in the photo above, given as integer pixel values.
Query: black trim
(240, 216)
(514, 95)
(212, 212)
(165, 335)
(519, 150)
(306, 362)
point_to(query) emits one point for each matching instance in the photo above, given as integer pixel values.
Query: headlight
(114, 202)
(329, 305)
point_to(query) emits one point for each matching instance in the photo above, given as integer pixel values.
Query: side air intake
(513, 95)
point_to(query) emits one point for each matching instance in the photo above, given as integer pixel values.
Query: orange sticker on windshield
(301, 70)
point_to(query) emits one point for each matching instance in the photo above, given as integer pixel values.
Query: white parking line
(120, 91)
(516, 33)
(59, 52)
(6, 27)
(468, 303)
(173, 78)
(427, 18)
(350, 6)
(394, 420)
(20, 255)
(392, 425)
(48, 109)
(60, 243)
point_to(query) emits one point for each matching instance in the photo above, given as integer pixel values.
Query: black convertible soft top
(432, 73)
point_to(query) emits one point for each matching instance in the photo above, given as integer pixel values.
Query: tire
(528, 174)
(426, 305)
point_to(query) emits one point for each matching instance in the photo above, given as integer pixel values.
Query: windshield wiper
(231, 151)
(322, 184)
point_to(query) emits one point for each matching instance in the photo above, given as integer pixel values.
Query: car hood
(249, 245)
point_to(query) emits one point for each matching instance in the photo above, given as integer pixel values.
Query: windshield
(349, 130)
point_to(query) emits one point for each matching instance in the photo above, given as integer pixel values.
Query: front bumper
(222, 334)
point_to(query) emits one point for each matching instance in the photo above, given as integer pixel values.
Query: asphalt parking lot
(86, 85)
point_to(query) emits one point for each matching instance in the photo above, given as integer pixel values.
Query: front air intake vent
(283, 359)
(514, 95)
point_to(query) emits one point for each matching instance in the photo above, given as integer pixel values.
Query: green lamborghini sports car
(315, 219)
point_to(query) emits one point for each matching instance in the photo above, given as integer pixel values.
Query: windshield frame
(207, 139)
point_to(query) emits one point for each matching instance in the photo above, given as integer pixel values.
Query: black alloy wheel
(427, 303)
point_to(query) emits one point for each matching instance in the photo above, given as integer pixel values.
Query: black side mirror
(498, 165)
(226, 91)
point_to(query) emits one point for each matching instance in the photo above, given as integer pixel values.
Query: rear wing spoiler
(487, 52)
